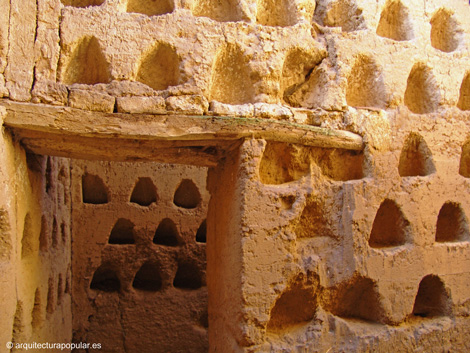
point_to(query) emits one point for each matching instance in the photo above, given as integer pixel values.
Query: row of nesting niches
(280, 59)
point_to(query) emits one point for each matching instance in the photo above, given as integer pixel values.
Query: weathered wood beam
(199, 140)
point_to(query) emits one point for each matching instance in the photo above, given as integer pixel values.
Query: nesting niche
(87, 64)
(188, 275)
(231, 81)
(187, 194)
(18, 323)
(452, 224)
(432, 299)
(395, 22)
(338, 164)
(144, 193)
(297, 305)
(341, 13)
(365, 84)
(50, 305)
(82, 3)
(93, 189)
(276, 13)
(150, 7)
(390, 227)
(297, 68)
(105, 279)
(5, 235)
(313, 221)
(28, 243)
(358, 299)
(55, 233)
(218, 10)
(166, 233)
(122, 232)
(445, 31)
(422, 94)
(36, 314)
(415, 158)
(464, 99)
(159, 67)
(148, 278)
(201, 234)
(464, 168)
(49, 179)
(282, 163)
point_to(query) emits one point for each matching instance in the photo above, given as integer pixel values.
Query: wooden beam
(199, 140)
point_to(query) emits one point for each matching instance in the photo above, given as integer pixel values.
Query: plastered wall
(309, 250)
(342, 262)
(244, 58)
(35, 251)
(139, 263)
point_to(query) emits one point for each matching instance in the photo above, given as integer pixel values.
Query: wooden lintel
(199, 140)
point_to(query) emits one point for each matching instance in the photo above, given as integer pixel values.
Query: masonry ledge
(197, 140)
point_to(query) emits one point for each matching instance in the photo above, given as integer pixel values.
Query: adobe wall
(138, 256)
(35, 250)
(308, 249)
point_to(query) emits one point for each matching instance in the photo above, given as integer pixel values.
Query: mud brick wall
(308, 249)
(138, 256)
(35, 247)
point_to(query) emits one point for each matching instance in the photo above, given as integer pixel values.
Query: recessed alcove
(18, 322)
(151, 7)
(432, 299)
(166, 233)
(390, 227)
(395, 22)
(313, 221)
(187, 195)
(50, 305)
(94, 190)
(365, 84)
(159, 67)
(445, 31)
(416, 157)
(296, 70)
(60, 290)
(144, 192)
(452, 223)
(357, 299)
(422, 94)
(218, 10)
(37, 317)
(82, 3)
(338, 164)
(464, 167)
(464, 97)
(295, 306)
(342, 13)
(87, 64)
(5, 235)
(148, 278)
(231, 81)
(283, 163)
(105, 279)
(201, 234)
(276, 13)
(122, 232)
(188, 276)
(55, 233)
(28, 243)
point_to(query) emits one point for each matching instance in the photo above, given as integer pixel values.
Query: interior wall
(35, 248)
(138, 259)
